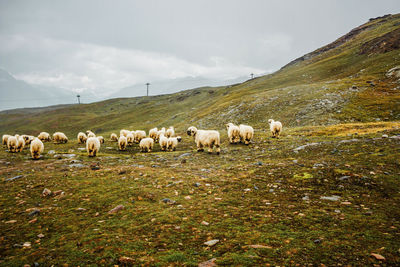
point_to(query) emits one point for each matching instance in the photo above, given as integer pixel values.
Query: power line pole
(79, 100)
(147, 88)
(252, 75)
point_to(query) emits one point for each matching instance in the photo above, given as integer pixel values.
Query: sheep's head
(270, 120)
(229, 125)
(191, 131)
(179, 138)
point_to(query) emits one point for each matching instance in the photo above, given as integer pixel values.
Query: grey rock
(69, 155)
(304, 146)
(184, 155)
(344, 178)
(34, 212)
(331, 198)
(196, 184)
(211, 242)
(51, 152)
(168, 201)
(14, 178)
(76, 165)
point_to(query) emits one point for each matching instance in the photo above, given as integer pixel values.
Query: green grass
(272, 213)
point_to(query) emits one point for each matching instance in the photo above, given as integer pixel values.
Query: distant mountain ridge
(351, 82)
(19, 94)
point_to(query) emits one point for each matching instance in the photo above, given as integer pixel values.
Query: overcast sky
(102, 46)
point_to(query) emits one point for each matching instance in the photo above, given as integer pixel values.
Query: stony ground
(308, 198)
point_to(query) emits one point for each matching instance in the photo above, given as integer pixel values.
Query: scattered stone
(188, 197)
(94, 167)
(51, 152)
(317, 241)
(27, 245)
(204, 223)
(76, 165)
(184, 155)
(34, 212)
(295, 161)
(81, 148)
(209, 263)
(155, 166)
(246, 189)
(58, 192)
(81, 209)
(183, 161)
(349, 141)
(331, 198)
(196, 184)
(344, 178)
(255, 188)
(126, 260)
(109, 148)
(259, 163)
(116, 209)
(33, 220)
(69, 156)
(297, 149)
(14, 178)
(346, 203)
(305, 198)
(40, 235)
(378, 256)
(385, 136)
(168, 201)
(121, 172)
(211, 242)
(46, 192)
(11, 221)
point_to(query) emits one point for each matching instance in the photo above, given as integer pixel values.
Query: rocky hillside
(353, 79)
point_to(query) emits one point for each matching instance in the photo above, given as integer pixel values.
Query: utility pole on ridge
(147, 88)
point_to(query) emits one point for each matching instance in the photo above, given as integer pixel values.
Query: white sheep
(36, 148)
(60, 138)
(123, 132)
(44, 136)
(275, 127)
(139, 135)
(153, 133)
(20, 144)
(205, 138)
(92, 146)
(233, 133)
(163, 141)
(82, 138)
(122, 142)
(246, 133)
(113, 137)
(91, 135)
(162, 131)
(172, 143)
(146, 144)
(130, 139)
(27, 138)
(101, 139)
(12, 144)
(170, 132)
(5, 138)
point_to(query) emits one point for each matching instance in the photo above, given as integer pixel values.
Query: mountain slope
(17, 93)
(346, 81)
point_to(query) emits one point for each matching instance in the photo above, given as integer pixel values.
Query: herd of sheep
(165, 137)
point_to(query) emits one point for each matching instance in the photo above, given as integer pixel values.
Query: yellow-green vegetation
(326, 192)
(262, 202)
